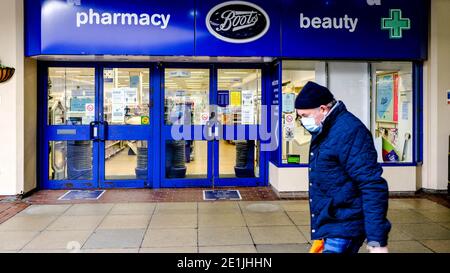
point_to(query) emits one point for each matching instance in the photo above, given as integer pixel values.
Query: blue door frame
(55, 133)
(261, 180)
(156, 133)
(212, 177)
(124, 132)
(83, 132)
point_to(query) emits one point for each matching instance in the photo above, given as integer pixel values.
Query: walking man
(348, 196)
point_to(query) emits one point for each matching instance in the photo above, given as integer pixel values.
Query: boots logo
(237, 22)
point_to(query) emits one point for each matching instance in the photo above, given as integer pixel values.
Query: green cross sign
(395, 24)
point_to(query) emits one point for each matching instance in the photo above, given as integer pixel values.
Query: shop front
(151, 94)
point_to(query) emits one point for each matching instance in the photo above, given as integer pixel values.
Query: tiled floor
(9, 209)
(419, 225)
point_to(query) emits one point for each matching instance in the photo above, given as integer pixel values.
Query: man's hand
(377, 249)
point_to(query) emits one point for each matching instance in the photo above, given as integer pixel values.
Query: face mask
(310, 124)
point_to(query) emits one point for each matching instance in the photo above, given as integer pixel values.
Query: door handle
(93, 128)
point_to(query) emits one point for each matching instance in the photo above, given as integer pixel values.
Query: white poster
(130, 96)
(247, 97)
(248, 115)
(118, 112)
(117, 96)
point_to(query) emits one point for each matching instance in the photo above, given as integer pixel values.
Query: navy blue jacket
(348, 196)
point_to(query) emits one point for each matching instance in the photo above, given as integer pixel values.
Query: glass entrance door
(69, 147)
(186, 142)
(239, 112)
(98, 131)
(211, 126)
(126, 123)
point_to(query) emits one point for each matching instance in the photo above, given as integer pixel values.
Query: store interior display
(295, 138)
(393, 111)
(379, 94)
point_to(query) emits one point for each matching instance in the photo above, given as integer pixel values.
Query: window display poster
(387, 97)
(247, 97)
(134, 81)
(130, 95)
(79, 104)
(117, 96)
(248, 115)
(288, 102)
(235, 98)
(405, 82)
(118, 113)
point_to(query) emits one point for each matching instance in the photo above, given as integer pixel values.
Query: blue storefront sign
(332, 29)
(355, 29)
(87, 27)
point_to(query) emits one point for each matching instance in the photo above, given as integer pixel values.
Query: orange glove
(317, 246)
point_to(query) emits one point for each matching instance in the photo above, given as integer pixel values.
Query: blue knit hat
(313, 96)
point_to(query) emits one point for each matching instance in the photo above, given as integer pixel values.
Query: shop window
(70, 92)
(350, 83)
(393, 111)
(379, 94)
(295, 139)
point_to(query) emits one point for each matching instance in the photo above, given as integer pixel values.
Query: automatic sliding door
(186, 112)
(239, 150)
